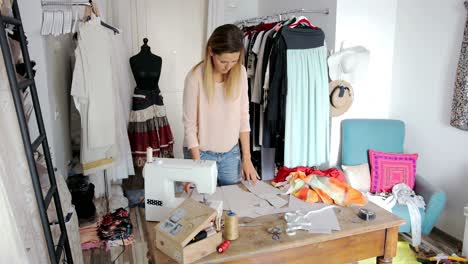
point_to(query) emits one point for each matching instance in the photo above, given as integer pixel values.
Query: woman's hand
(188, 187)
(248, 171)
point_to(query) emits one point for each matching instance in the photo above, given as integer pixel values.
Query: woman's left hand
(248, 171)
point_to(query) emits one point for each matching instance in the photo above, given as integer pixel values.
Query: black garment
(252, 107)
(255, 155)
(266, 57)
(303, 38)
(275, 115)
(267, 53)
(82, 193)
(146, 68)
(143, 99)
(278, 86)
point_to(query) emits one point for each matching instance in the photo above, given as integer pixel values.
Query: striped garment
(148, 127)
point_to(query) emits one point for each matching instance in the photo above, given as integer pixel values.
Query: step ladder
(55, 250)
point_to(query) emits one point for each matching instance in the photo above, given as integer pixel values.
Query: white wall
(326, 22)
(180, 44)
(235, 10)
(52, 82)
(371, 24)
(427, 47)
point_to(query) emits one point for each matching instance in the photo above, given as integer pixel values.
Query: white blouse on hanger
(102, 90)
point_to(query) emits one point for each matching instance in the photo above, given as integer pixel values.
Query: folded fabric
(285, 172)
(88, 237)
(312, 188)
(91, 245)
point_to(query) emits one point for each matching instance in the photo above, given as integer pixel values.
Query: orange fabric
(302, 193)
(312, 197)
(352, 196)
(323, 195)
(338, 184)
(298, 175)
(356, 197)
(329, 190)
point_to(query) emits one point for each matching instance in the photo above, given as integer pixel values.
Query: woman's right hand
(195, 153)
(188, 187)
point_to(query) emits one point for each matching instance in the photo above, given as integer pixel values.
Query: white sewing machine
(160, 176)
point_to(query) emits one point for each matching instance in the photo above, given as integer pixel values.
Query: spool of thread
(231, 226)
(223, 246)
(149, 154)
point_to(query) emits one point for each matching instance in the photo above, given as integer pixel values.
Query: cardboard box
(183, 223)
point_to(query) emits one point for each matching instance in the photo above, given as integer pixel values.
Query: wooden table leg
(391, 241)
(381, 260)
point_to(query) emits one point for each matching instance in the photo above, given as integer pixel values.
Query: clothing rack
(325, 11)
(88, 3)
(60, 3)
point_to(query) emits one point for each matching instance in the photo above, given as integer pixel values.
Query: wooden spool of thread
(231, 226)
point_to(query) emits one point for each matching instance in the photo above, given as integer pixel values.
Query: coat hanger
(302, 20)
(92, 9)
(67, 18)
(58, 23)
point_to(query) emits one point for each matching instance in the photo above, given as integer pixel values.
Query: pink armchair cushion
(388, 169)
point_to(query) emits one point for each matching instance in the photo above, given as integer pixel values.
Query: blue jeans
(228, 163)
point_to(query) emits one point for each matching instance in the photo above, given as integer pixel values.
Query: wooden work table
(357, 240)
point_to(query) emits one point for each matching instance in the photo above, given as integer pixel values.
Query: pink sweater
(213, 126)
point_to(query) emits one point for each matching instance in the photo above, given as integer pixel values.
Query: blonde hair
(225, 39)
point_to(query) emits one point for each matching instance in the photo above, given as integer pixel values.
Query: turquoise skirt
(307, 127)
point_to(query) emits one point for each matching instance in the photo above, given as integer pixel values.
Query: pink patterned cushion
(388, 169)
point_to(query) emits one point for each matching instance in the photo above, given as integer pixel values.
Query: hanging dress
(307, 140)
(148, 126)
(459, 117)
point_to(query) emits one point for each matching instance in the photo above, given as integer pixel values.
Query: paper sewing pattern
(264, 199)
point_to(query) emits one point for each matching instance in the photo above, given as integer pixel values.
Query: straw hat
(341, 97)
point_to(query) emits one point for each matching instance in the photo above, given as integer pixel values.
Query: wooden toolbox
(183, 223)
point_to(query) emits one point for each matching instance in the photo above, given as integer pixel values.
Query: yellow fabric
(404, 255)
(97, 163)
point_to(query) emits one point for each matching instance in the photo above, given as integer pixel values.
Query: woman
(216, 108)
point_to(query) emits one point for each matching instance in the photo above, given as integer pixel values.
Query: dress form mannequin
(146, 68)
(148, 126)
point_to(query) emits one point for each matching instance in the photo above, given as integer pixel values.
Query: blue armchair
(360, 135)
